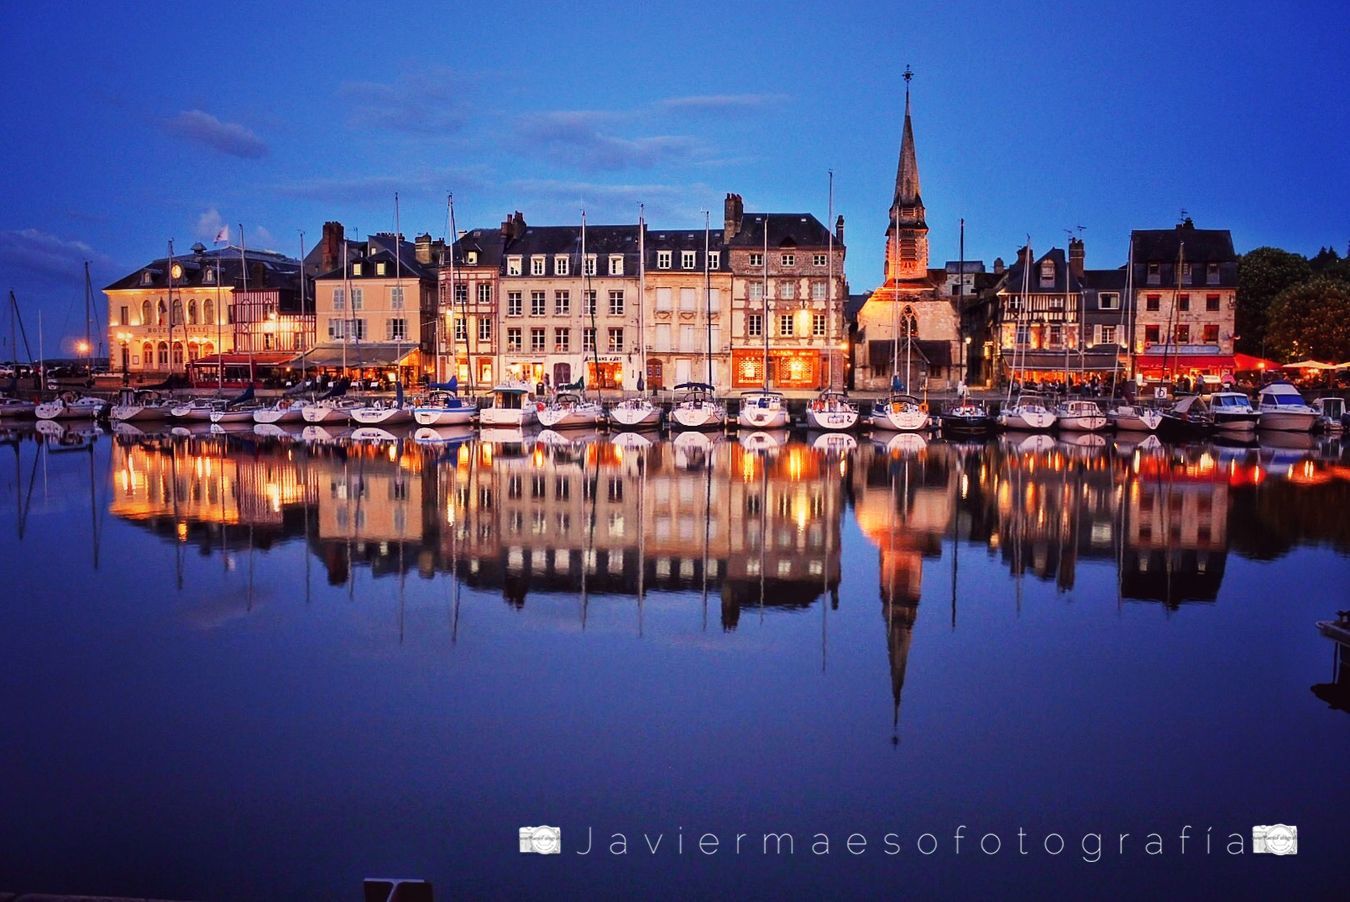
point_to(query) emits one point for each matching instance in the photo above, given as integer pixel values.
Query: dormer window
(616, 264)
(1211, 274)
(688, 259)
(471, 258)
(209, 276)
(663, 259)
(714, 259)
(1154, 274)
(536, 265)
(1047, 274)
(356, 269)
(380, 268)
(147, 278)
(561, 265)
(513, 265)
(590, 264)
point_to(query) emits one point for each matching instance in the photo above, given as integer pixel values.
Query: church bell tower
(907, 234)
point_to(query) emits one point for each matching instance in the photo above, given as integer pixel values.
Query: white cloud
(227, 137)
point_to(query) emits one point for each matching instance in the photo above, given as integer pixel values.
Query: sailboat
(236, 410)
(900, 411)
(697, 407)
(831, 411)
(764, 409)
(569, 408)
(1029, 412)
(70, 406)
(444, 406)
(384, 413)
(640, 412)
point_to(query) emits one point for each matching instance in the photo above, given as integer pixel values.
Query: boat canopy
(694, 386)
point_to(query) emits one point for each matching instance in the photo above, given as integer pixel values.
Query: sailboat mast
(895, 294)
(220, 347)
(591, 305)
(642, 292)
(464, 308)
(243, 271)
(707, 292)
(346, 304)
(88, 320)
(1064, 335)
(766, 302)
(829, 286)
(170, 308)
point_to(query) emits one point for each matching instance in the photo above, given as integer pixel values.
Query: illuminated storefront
(791, 369)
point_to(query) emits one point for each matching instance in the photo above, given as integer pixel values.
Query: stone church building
(909, 326)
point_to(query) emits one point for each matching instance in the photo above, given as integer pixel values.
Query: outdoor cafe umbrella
(1310, 365)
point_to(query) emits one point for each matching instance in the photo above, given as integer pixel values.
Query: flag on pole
(223, 236)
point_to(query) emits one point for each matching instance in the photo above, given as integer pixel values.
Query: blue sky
(127, 128)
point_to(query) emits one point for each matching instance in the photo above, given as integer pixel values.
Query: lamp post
(969, 374)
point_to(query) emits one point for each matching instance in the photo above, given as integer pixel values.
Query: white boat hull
(1026, 420)
(444, 416)
(508, 416)
(1078, 422)
(635, 416)
(274, 415)
(831, 420)
(382, 416)
(127, 413)
(228, 417)
(762, 418)
(699, 416)
(83, 409)
(325, 414)
(1288, 421)
(583, 416)
(1138, 421)
(901, 420)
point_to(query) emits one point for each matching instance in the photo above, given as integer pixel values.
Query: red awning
(260, 359)
(1248, 363)
(1182, 362)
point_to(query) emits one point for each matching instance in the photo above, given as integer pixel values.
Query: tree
(1331, 264)
(1262, 274)
(1311, 320)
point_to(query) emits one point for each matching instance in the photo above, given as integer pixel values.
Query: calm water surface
(258, 667)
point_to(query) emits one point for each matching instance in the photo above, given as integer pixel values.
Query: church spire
(907, 173)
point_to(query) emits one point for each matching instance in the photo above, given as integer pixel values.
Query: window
(663, 259)
(208, 312)
(358, 298)
(714, 300)
(461, 292)
(192, 311)
(1151, 334)
(1154, 274)
(561, 265)
(1023, 334)
(562, 303)
(616, 341)
(817, 324)
(147, 278)
(461, 329)
(1185, 272)
(616, 303)
(756, 259)
(513, 305)
(1108, 300)
(513, 338)
(787, 290)
(1106, 335)
(688, 259)
(1211, 334)
(616, 264)
(536, 265)
(663, 300)
(396, 297)
(1212, 303)
(337, 329)
(788, 259)
(817, 291)
(756, 291)
(590, 264)
(688, 338)
(754, 325)
(485, 292)
(124, 312)
(1047, 274)
(590, 302)
(396, 330)
(1183, 333)
(562, 340)
(1183, 302)
(538, 305)
(661, 339)
(485, 330)
(208, 276)
(1056, 338)
(785, 324)
(339, 298)
(1152, 303)
(537, 340)
(513, 266)
(587, 339)
(356, 269)
(1211, 274)
(471, 258)
(688, 299)
(160, 313)
(714, 259)
(819, 260)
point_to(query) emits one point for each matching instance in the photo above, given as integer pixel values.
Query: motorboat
(1186, 419)
(1080, 415)
(1331, 413)
(140, 404)
(831, 411)
(1134, 417)
(444, 408)
(570, 410)
(1029, 413)
(512, 404)
(900, 413)
(1280, 407)
(285, 410)
(16, 408)
(70, 406)
(330, 411)
(697, 408)
(762, 410)
(965, 418)
(635, 413)
(1233, 413)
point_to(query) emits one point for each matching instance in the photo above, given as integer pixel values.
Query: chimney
(733, 212)
(422, 249)
(998, 266)
(517, 224)
(1077, 256)
(506, 227)
(333, 235)
(839, 229)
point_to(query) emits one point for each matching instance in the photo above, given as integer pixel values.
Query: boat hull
(832, 420)
(127, 413)
(278, 416)
(382, 416)
(1137, 421)
(1235, 423)
(1019, 420)
(699, 416)
(1287, 421)
(581, 417)
(226, 417)
(954, 425)
(444, 416)
(59, 410)
(635, 416)
(901, 421)
(1082, 422)
(762, 419)
(507, 416)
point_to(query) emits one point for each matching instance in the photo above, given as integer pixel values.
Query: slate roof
(1164, 245)
(382, 248)
(1013, 276)
(785, 230)
(276, 269)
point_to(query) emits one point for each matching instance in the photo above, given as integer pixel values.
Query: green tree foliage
(1262, 274)
(1331, 264)
(1311, 320)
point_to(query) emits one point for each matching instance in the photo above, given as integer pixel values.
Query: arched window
(145, 312)
(177, 312)
(192, 312)
(177, 355)
(909, 323)
(208, 311)
(160, 313)
(147, 354)
(209, 348)
(163, 354)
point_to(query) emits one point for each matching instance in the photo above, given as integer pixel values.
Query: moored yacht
(762, 409)
(16, 408)
(697, 408)
(512, 405)
(283, 410)
(965, 418)
(140, 404)
(70, 406)
(1279, 406)
(384, 413)
(635, 413)
(1330, 415)
(445, 408)
(1029, 413)
(832, 411)
(1134, 417)
(899, 412)
(1232, 412)
(569, 410)
(1079, 415)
